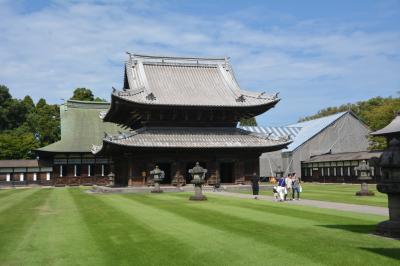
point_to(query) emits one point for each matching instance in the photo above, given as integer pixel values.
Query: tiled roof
(178, 137)
(274, 131)
(18, 163)
(391, 129)
(311, 128)
(345, 156)
(81, 127)
(299, 132)
(186, 81)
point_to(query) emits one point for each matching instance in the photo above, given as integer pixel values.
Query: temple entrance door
(166, 167)
(226, 172)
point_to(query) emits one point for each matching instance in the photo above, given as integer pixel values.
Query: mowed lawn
(344, 193)
(66, 226)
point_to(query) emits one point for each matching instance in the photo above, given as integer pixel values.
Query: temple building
(326, 149)
(176, 111)
(70, 158)
(25, 172)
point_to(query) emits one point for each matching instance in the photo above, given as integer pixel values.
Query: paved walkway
(316, 203)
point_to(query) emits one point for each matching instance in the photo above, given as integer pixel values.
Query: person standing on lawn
(296, 186)
(288, 181)
(255, 185)
(281, 188)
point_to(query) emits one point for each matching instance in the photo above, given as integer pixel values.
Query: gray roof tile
(178, 137)
(186, 81)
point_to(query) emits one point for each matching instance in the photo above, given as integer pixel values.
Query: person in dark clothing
(255, 185)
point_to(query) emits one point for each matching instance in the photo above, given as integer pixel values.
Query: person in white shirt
(288, 182)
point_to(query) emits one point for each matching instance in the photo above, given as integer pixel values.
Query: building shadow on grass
(393, 253)
(355, 228)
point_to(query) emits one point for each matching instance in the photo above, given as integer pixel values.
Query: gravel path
(316, 203)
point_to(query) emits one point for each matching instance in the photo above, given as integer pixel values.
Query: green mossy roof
(81, 127)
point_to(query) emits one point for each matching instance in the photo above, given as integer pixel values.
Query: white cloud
(49, 52)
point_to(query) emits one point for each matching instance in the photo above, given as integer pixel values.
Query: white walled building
(338, 133)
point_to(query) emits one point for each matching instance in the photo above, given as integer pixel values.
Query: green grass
(344, 193)
(61, 226)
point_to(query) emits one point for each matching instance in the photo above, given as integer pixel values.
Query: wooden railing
(80, 181)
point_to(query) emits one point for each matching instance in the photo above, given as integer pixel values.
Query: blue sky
(315, 53)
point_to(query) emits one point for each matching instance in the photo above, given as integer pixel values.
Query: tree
(82, 94)
(5, 98)
(28, 103)
(98, 99)
(248, 122)
(4, 94)
(25, 126)
(13, 114)
(41, 103)
(15, 145)
(44, 123)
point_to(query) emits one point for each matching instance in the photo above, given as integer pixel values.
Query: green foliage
(17, 145)
(4, 94)
(24, 126)
(44, 122)
(248, 122)
(83, 94)
(376, 113)
(98, 99)
(28, 103)
(13, 112)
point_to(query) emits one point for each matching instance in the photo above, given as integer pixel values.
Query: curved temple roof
(81, 127)
(390, 130)
(202, 138)
(183, 81)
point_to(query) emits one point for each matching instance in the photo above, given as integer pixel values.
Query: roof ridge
(186, 58)
(319, 118)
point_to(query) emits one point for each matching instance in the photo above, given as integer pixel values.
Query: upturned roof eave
(142, 103)
(266, 148)
(393, 128)
(108, 116)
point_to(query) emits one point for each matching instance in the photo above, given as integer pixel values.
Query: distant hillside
(376, 113)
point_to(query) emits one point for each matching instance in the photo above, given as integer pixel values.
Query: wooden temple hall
(176, 111)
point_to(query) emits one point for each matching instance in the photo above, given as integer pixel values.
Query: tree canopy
(248, 122)
(25, 126)
(84, 94)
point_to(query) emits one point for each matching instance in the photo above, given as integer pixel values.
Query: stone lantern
(158, 175)
(111, 179)
(198, 174)
(364, 174)
(389, 183)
